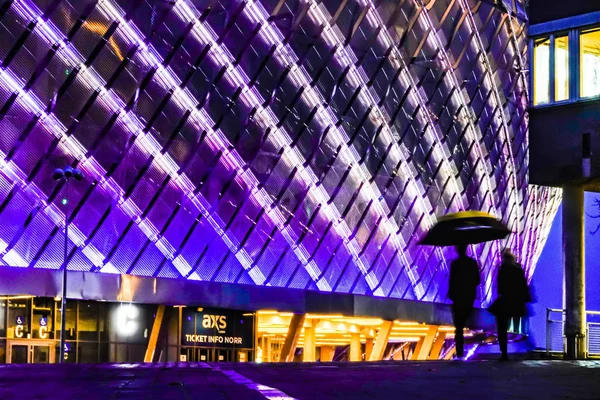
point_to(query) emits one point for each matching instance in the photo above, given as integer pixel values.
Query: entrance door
(30, 352)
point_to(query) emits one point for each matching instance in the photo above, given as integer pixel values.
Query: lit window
(561, 68)
(590, 63)
(541, 71)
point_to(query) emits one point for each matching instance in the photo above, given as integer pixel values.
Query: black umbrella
(465, 227)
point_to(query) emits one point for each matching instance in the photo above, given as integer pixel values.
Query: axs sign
(217, 327)
(218, 322)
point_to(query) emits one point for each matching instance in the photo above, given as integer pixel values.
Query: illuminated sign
(214, 321)
(204, 327)
(43, 331)
(19, 327)
(126, 318)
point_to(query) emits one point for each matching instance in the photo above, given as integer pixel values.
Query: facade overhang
(147, 290)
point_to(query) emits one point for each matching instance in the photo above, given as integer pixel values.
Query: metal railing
(555, 328)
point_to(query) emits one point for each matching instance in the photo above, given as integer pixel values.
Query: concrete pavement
(385, 380)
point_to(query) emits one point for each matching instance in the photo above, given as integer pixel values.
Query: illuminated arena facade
(291, 144)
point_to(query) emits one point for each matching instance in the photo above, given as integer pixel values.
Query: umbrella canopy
(465, 227)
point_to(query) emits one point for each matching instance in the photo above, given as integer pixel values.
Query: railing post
(548, 340)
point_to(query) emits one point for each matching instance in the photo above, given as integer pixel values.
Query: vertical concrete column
(368, 348)
(327, 353)
(418, 347)
(426, 343)
(266, 348)
(291, 339)
(156, 325)
(381, 341)
(355, 347)
(438, 345)
(574, 271)
(310, 346)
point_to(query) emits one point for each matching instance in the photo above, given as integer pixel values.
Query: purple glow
(313, 158)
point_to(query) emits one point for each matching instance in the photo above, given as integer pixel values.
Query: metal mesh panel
(555, 341)
(305, 145)
(593, 338)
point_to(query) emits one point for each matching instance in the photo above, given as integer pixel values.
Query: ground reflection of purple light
(471, 351)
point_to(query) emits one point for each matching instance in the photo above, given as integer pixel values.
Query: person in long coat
(513, 296)
(464, 279)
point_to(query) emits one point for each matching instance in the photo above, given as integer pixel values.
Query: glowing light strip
(375, 20)
(252, 98)
(481, 171)
(18, 177)
(525, 237)
(334, 39)
(203, 119)
(94, 169)
(508, 158)
(147, 143)
(434, 39)
(152, 147)
(471, 132)
(298, 76)
(314, 272)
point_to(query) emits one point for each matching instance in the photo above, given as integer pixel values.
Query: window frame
(574, 75)
(573, 79)
(580, 31)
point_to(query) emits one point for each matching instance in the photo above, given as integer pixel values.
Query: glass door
(18, 354)
(30, 352)
(40, 354)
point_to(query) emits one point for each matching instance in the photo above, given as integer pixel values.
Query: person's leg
(502, 324)
(459, 325)
(459, 338)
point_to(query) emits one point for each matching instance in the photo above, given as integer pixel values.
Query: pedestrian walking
(513, 296)
(464, 279)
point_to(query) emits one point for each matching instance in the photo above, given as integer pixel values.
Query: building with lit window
(257, 174)
(565, 132)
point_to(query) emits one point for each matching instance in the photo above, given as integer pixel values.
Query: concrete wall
(555, 143)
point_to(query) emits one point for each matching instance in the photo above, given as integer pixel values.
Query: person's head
(461, 249)
(508, 256)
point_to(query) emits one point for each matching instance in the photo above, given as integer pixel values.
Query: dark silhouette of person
(513, 296)
(464, 279)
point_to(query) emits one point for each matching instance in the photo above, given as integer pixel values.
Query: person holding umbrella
(513, 296)
(464, 280)
(461, 229)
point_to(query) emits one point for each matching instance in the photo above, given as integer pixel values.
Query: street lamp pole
(65, 174)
